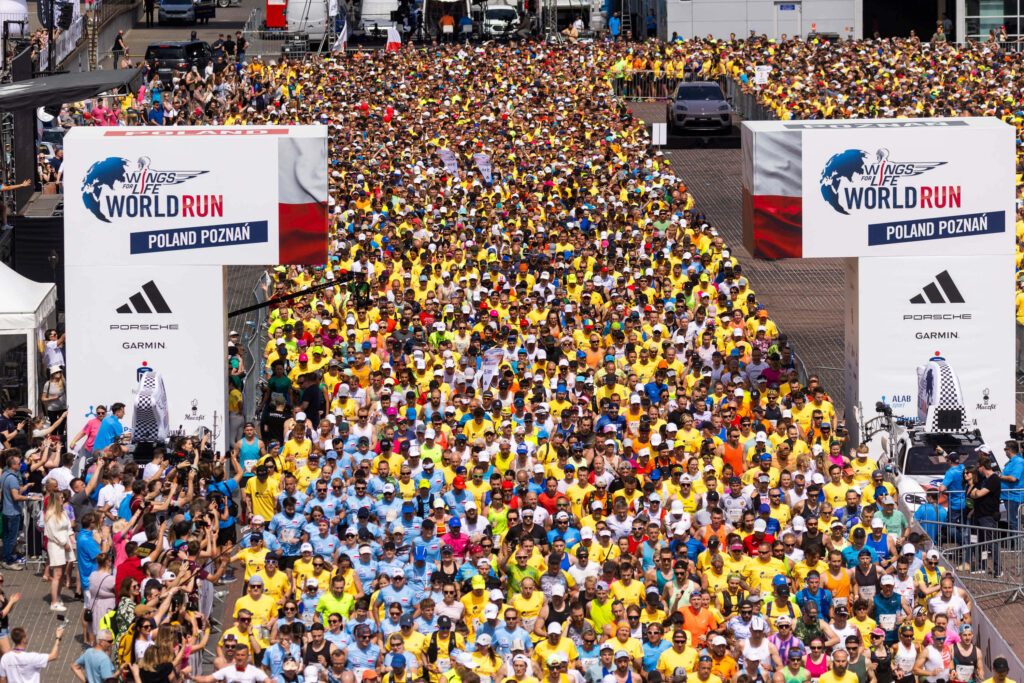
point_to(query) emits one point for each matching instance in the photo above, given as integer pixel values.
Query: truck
(376, 16)
(500, 20)
(308, 17)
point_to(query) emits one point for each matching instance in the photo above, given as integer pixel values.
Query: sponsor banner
(878, 188)
(937, 228)
(223, 196)
(168, 322)
(199, 238)
(913, 309)
(921, 191)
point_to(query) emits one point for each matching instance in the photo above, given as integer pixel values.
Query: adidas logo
(933, 291)
(149, 300)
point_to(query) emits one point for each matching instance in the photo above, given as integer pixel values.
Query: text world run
(940, 197)
(165, 206)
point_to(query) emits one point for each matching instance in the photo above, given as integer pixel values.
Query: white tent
(25, 308)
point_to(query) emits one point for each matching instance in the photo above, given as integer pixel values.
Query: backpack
(126, 646)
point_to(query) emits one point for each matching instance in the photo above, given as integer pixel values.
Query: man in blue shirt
(398, 591)
(90, 545)
(953, 486)
(287, 525)
(509, 631)
(615, 26)
(10, 485)
(813, 592)
(111, 428)
(1013, 486)
(930, 513)
(95, 666)
(282, 651)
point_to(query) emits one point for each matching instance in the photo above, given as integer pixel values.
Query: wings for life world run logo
(855, 180)
(117, 188)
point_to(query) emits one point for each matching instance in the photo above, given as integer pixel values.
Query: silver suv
(699, 105)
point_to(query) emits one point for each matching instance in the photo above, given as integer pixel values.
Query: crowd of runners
(531, 422)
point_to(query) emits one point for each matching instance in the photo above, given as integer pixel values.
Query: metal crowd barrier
(745, 103)
(971, 564)
(256, 338)
(648, 85)
(1020, 348)
(659, 85)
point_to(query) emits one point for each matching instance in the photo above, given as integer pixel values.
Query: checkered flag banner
(940, 400)
(150, 421)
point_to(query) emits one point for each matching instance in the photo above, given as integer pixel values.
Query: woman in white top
(52, 348)
(57, 527)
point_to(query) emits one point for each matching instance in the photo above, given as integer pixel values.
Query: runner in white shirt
(239, 672)
(950, 602)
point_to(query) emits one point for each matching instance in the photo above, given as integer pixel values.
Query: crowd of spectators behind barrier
(539, 425)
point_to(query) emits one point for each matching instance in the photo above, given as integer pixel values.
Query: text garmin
(850, 182)
(116, 188)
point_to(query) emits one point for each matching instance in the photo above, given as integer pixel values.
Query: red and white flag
(394, 39)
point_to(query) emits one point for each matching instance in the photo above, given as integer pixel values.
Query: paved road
(711, 166)
(227, 20)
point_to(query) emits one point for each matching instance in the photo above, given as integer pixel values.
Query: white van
(309, 17)
(376, 15)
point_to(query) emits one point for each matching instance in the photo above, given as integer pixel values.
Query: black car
(166, 58)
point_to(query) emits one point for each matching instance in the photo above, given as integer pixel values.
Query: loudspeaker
(39, 243)
(65, 15)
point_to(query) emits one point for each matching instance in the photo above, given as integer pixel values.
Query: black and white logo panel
(942, 290)
(148, 300)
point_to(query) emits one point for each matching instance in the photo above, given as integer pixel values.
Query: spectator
(19, 665)
(95, 666)
(58, 545)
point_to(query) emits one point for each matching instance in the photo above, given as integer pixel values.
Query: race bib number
(249, 465)
(867, 592)
(443, 664)
(734, 515)
(528, 624)
(887, 621)
(964, 672)
(839, 602)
